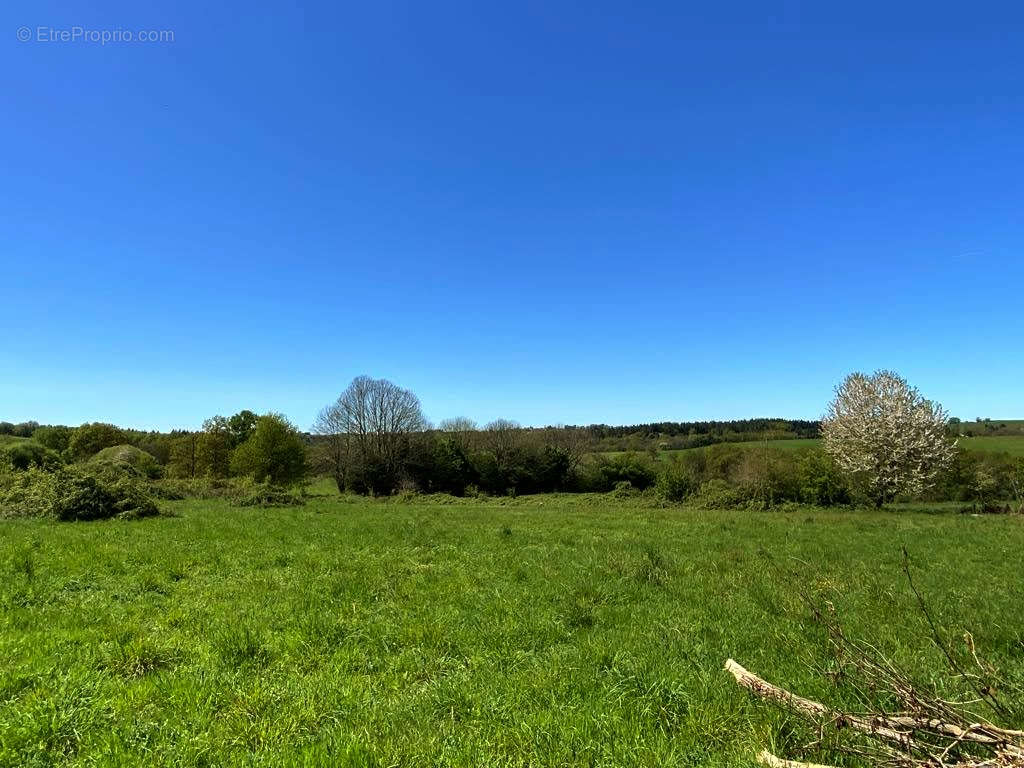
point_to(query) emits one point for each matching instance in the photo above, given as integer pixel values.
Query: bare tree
(334, 449)
(461, 430)
(503, 438)
(457, 424)
(370, 422)
(574, 441)
(882, 432)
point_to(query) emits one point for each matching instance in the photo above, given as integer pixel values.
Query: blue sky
(550, 212)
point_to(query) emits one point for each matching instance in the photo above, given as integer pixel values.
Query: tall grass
(551, 630)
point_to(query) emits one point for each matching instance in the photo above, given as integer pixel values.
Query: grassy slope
(1006, 444)
(548, 630)
(980, 428)
(1000, 444)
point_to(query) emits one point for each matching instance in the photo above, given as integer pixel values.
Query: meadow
(1009, 444)
(1012, 427)
(552, 630)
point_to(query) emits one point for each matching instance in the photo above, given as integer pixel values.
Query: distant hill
(1011, 444)
(991, 427)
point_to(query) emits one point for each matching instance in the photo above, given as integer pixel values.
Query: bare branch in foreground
(908, 739)
(764, 757)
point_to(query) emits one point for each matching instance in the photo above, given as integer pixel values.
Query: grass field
(550, 630)
(980, 428)
(1010, 444)
(1006, 444)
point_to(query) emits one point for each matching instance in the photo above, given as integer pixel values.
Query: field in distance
(1010, 444)
(557, 630)
(985, 426)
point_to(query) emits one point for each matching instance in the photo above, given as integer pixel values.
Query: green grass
(772, 445)
(1011, 444)
(540, 631)
(980, 428)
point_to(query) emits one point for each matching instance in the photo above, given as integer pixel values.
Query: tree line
(882, 441)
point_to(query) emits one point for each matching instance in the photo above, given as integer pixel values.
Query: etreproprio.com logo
(79, 34)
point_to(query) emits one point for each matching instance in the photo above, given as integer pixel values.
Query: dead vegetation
(905, 724)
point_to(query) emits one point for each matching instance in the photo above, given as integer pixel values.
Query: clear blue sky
(550, 212)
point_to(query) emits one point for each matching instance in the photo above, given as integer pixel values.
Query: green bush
(821, 481)
(679, 480)
(55, 438)
(764, 478)
(602, 474)
(266, 495)
(90, 439)
(274, 452)
(126, 459)
(728, 475)
(26, 494)
(73, 493)
(241, 491)
(83, 496)
(23, 455)
(624, 490)
(719, 494)
(722, 461)
(202, 488)
(984, 477)
(440, 465)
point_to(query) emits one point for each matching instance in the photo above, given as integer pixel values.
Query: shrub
(450, 470)
(370, 477)
(274, 452)
(83, 496)
(126, 459)
(73, 493)
(624, 490)
(234, 489)
(718, 494)
(265, 495)
(213, 448)
(722, 461)
(821, 481)
(90, 439)
(55, 438)
(538, 469)
(25, 429)
(23, 455)
(679, 480)
(602, 474)
(26, 494)
(765, 478)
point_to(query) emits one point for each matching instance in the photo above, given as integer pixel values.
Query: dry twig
(912, 739)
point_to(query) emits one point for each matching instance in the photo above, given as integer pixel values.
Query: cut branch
(764, 757)
(911, 739)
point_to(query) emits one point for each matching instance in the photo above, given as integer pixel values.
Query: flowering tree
(881, 431)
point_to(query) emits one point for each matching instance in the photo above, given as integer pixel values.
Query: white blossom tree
(884, 434)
